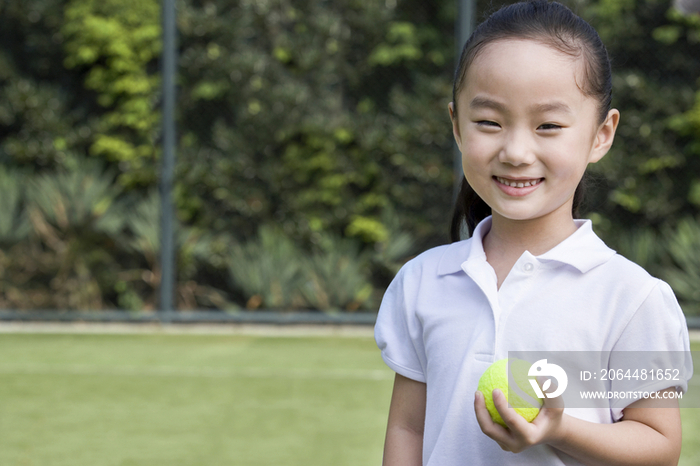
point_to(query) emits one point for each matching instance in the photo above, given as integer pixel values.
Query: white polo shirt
(443, 321)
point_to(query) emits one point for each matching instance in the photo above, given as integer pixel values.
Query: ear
(455, 124)
(605, 136)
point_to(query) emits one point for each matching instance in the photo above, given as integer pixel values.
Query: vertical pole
(167, 249)
(463, 29)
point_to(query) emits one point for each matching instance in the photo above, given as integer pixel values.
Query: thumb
(549, 385)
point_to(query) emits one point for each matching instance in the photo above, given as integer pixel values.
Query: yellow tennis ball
(521, 396)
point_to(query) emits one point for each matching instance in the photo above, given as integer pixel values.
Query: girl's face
(526, 130)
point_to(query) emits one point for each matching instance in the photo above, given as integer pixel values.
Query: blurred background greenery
(315, 149)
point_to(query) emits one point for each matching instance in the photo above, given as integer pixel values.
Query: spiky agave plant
(337, 276)
(268, 270)
(14, 224)
(76, 215)
(683, 274)
(139, 286)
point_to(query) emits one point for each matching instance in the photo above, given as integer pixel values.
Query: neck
(510, 238)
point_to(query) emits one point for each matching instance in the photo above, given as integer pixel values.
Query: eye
(549, 127)
(487, 124)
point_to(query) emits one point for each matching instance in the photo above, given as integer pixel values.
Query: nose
(517, 149)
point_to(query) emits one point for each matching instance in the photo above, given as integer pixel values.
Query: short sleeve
(657, 334)
(398, 332)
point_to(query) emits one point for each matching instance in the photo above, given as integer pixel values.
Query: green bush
(14, 223)
(683, 274)
(325, 119)
(272, 271)
(336, 276)
(268, 270)
(68, 258)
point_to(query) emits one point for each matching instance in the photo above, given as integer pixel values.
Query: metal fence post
(167, 246)
(463, 29)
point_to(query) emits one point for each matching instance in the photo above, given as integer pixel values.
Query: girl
(530, 110)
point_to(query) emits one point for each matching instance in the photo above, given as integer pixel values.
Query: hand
(520, 434)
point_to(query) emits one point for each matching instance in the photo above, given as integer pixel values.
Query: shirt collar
(582, 250)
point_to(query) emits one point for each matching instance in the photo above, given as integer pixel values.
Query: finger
(487, 425)
(551, 403)
(503, 446)
(510, 416)
(554, 403)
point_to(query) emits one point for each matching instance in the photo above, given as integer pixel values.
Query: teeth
(518, 184)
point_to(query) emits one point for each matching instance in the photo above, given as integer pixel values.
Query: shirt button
(528, 267)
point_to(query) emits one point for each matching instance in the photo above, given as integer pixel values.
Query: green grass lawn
(191, 400)
(690, 417)
(209, 400)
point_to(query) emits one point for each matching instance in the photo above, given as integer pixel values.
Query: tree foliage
(648, 175)
(310, 132)
(315, 116)
(115, 41)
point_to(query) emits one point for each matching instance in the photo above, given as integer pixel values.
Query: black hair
(552, 24)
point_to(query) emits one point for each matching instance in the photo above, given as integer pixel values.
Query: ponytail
(469, 209)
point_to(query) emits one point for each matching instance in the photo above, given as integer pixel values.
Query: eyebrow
(552, 107)
(480, 102)
(483, 102)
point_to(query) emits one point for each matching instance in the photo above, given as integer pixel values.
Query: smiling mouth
(519, 183)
